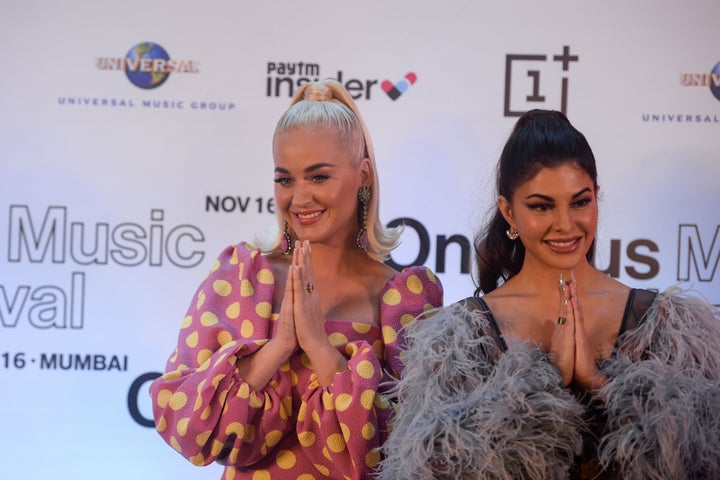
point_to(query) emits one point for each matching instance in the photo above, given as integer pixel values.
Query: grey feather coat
(469, 409)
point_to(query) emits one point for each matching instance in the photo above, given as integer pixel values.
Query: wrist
(597, 383)
(594, 385)
(326, 362)
(282, 351)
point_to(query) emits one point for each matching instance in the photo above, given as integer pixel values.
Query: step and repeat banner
(135, 144)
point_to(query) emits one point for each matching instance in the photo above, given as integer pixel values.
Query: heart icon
(395, 90)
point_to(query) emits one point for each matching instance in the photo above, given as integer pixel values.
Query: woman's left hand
(586, 374)
(309, 319)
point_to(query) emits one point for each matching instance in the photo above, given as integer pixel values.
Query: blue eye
(283, 181)
(319, 178)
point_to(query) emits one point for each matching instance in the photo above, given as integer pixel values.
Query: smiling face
(316, 185)
(556, 215)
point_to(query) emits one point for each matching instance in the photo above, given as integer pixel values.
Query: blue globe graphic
(714, 87)
(141, 77)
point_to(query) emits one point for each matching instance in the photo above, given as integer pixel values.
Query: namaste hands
(302, 324)
(570, 348)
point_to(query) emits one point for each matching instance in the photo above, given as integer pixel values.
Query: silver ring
(561, 320)
(309, 287)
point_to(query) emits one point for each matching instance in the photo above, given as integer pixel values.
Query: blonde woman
(286, 352)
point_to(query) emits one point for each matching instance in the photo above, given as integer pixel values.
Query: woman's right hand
(257, 369)
(285, 337)
(562, 343)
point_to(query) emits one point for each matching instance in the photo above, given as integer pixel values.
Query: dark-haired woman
(553, 369)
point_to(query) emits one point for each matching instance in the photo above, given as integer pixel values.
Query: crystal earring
(511, 233)
(361, 240)
(286, 240)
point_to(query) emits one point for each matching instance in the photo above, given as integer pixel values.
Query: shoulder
(413, 284)
(677, 325)
(462, 320)
(677, 307)
(672, 308)
(639, 302)
(243, 260)
(408, 295)
(404, 297)
(452, 338)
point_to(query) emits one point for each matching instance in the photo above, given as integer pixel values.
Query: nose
(302, 195)
(562, 221)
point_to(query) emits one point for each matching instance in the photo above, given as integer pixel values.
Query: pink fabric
(293, 428)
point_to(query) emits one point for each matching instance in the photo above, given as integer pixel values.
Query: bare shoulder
(606, 287)
(509, 294)
(279, 264)
(375, 275)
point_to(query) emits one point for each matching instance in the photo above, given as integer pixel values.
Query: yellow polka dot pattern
(247, 329)
(265, 276)
(263, 309)
(337, 339)
(365, 369)
(285, 459)
(361, 327)
(233, 310)
(222, 287)
(246, 288)
(414, 284)
(304, 431)
(392, 297)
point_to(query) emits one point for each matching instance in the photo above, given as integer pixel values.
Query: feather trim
(663, 396)
(467, 412)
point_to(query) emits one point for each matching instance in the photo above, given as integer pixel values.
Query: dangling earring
(361, 240)
(286, 240)
(511, 233)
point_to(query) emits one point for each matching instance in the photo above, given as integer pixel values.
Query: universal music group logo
(284, 78)
(147, 65)
(710, 80)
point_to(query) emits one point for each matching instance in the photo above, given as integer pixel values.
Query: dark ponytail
(540, 138)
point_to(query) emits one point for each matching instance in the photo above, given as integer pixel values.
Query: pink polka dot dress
(293, 428)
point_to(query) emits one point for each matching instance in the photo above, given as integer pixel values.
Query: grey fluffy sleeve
(466, 411)
(663, 396)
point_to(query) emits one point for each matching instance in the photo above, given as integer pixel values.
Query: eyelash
(543, 207)
(283, 181)
(286, 182)
(320, 178)
(583, 202)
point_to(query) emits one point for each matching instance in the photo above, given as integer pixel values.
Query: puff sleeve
(207, 412)
(201, 404)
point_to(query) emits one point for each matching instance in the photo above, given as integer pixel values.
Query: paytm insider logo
(147, 65)
(284, 78)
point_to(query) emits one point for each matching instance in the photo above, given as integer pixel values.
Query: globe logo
(715, 81)
(146, 65)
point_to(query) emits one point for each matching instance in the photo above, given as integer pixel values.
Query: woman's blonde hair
(327, 105)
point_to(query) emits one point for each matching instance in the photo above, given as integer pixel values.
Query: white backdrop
(115, 199)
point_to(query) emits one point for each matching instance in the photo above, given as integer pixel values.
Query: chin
(567, 263)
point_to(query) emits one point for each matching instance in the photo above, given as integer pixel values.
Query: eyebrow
(550, 199)
(309, 169)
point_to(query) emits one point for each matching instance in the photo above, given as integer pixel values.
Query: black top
(636, 306)
(586, 466)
